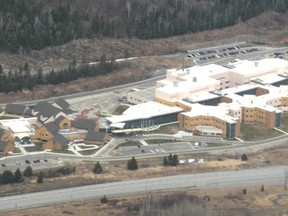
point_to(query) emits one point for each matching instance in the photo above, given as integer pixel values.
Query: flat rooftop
(18, 126)
(148, 94)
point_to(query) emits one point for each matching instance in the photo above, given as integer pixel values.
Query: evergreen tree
(40, 79)
(132, 164)
(40, 178)
(18, 176)
(165, 161)
(7, 177)
(262, 188)
(1, 70)
(170, 158)
(175, 160)
(244, 157)
(97, 168)
(28, 172)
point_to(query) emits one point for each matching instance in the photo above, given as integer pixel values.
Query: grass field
(257, 132)
(129, 143)
(120, 109)
(158, 141)
(284, 122)
(167, 129)
(37, 147)
(3, 117)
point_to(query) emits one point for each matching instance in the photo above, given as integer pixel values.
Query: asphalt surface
(227, 179)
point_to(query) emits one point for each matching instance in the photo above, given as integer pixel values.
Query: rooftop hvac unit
(194, 79)
(175, 84)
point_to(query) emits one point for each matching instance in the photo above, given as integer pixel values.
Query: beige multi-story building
(220, 98)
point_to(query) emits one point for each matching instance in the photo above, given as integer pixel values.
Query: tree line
(35, 24)
(9, 177)
(22, 78)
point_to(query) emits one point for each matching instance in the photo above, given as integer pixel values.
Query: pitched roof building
(57, 142)
(17, 109)
(96, 136)
(6, 146)
(62, 104)
(85, 124)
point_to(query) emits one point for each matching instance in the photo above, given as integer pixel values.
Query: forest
(21, 79)
(36, 24)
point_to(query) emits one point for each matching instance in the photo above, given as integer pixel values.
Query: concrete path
(280, 130)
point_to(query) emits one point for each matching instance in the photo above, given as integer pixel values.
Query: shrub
(244, 157)
(244, 191)
(104, 199)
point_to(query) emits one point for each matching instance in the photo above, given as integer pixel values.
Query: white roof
(118, 125)
(259, 67)
(144, 111)
(220, 112)
(16, 126)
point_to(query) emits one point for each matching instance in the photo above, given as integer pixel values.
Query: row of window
(202, 120)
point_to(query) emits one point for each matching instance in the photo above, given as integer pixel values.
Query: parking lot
(155, 148)
(36, 162)
(220, 52)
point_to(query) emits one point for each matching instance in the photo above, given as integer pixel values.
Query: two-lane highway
(274, 175)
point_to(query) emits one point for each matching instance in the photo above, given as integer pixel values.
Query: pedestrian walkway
(21, 148)
(280, 130)
(239, 139)
(143, 142)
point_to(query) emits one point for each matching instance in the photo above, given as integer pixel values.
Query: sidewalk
(280, 130)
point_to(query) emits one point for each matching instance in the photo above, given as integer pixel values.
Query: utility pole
(285, 179)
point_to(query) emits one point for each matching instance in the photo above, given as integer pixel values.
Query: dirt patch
(229, 163)
(272, 156)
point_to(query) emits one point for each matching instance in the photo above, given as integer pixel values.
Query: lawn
(257, 132)
(167, 129)
(38, 146)
(89, 152)
(216, 144)
(3, 117)
(120, 109)
(284, 122)
(129, 143)
(158, 141)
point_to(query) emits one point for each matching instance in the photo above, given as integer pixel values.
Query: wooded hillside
(35, 24)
